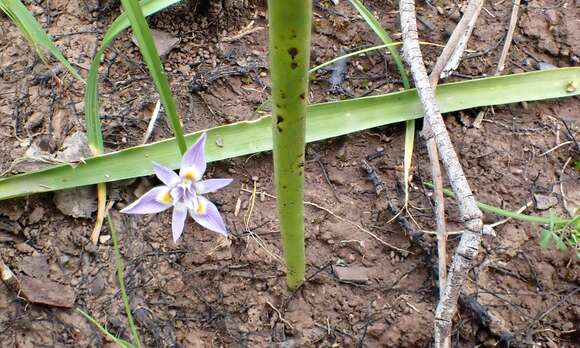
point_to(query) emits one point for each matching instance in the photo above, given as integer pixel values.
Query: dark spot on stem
(293, 52)
(279, 119)
(278, 106)
(293, 65)
(282, 95)
(301, 96)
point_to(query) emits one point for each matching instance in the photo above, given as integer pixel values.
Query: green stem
(290, 26)
(510, 214)
(121, 280)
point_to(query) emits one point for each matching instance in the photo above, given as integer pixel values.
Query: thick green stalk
(290, 24)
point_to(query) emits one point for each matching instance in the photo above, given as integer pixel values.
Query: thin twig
(446, 63)
(280, 317)
(152, 122)
(247, 30)
(509, 37)
(439, 214)
(451, 55)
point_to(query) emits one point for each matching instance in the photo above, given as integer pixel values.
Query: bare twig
(449, 59)
(508, 38)
(470, 214)
(280, 317)
(439, 214)
(152, 122)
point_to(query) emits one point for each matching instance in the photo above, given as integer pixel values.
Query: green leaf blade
(323, 121)
(34, 32)
(121, 23)
(149, 51)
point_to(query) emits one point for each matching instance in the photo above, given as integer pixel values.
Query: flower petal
(207, 215)
(166, 175)
(193, 162)
(153, 201)
(211, 185)
(178, 221)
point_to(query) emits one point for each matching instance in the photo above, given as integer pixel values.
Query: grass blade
(149, 51)
(92, 119)
(118, 341)
(376, 26)
(323, 121)
(34, 33)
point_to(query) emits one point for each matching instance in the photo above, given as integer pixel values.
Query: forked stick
(446, 63)
(470, 214)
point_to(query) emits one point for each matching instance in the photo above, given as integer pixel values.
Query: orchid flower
(184, 193)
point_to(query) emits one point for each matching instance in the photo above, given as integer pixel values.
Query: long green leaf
(323, 121)
(121, 23)
(149, 51)
(34, 33)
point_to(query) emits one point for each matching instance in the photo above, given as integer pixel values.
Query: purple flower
(184, 193)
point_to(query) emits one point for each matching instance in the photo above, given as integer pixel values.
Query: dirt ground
(202, 292)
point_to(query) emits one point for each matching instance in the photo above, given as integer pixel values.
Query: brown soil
(202, 292)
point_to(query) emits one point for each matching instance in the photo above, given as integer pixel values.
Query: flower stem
(121, 280)
(290, 26)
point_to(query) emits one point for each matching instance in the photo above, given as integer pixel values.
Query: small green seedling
(564, 235)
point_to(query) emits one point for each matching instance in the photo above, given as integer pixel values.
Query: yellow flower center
(200, 207)
(189, 175)
(165, 197)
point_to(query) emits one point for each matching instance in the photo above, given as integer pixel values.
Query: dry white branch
(451, 56)
(470, 214)
(509, 37)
